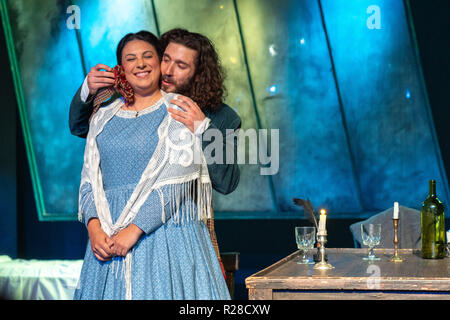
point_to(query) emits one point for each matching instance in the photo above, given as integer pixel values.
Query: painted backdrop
(339, 79)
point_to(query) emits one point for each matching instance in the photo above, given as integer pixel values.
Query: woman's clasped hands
(105, 247)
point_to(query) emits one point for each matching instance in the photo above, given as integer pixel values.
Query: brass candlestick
(322, 264)
(396, 258)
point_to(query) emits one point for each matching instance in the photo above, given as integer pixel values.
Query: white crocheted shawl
(177, 161)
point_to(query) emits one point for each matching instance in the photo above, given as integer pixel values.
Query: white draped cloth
(22, 279)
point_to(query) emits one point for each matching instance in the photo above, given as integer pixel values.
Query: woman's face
(141, 65)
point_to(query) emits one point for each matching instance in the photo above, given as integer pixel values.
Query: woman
(142, 197)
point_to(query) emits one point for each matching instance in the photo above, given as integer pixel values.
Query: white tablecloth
(38, 279)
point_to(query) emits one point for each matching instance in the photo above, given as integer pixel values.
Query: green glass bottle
(432, 224)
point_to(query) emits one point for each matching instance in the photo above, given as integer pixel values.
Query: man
(190, 67)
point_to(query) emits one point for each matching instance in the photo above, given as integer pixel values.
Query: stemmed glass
(305, 238)
(371, 236)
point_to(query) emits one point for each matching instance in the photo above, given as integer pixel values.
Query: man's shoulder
(225, 116)
(226, 111)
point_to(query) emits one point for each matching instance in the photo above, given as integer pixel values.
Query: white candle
(322, 221)
(396, 210)
(448, 236)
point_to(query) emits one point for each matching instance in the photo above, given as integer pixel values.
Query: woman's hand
(100, 242)
(125, 240)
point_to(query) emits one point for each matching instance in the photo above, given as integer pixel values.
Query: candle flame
(323, 211)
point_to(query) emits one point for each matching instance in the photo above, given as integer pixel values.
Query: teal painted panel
(388, 116)
(295, 90)
(280, 76)
(105, 22)
(48, 72)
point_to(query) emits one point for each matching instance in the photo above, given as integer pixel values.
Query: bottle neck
(432, 189)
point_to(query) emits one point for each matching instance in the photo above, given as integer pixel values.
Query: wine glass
(371, 236)
(305, 238)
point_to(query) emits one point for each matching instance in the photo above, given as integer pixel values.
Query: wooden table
(354, 278)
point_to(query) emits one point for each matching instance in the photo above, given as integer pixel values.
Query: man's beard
(182, 88)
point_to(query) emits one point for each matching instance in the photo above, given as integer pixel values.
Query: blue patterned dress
(170, 261)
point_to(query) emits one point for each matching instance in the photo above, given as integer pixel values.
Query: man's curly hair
(207, 87)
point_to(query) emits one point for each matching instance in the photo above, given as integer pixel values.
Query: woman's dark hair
(207, 88)
(141, 35)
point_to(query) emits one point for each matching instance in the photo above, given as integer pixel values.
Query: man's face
(177, 68)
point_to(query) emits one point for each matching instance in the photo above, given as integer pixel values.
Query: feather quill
(308, 210)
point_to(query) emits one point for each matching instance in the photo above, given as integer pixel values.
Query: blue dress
(170, 261)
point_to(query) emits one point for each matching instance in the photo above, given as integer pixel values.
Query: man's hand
(100, 242)
(126, 239)
(191, 117)
(98, 79)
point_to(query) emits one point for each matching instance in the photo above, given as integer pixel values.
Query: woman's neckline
(123, 113)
